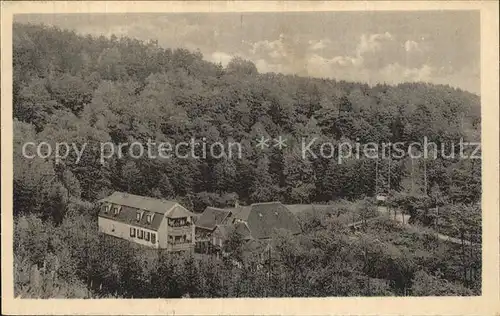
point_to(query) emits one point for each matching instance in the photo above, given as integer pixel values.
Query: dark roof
(225, 230)
(140, 202)
(211, 217)
(241, 212)
(242, 229)
(128, 215)
(255, 221)
(263, 218)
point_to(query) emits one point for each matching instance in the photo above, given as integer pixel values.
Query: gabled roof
(265, 217)
(255, 221)
(178, 212)
(242, 212)
(211, 217)
(225, 231)
(132, 204)
(140, 202)
(128, 215)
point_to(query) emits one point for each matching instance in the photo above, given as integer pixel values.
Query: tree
(34, 103)
(165, 188)
(93, 90)
(425, 284)
(262, 187)
(237, 65)
(70, 91)
(299, 177)
(234, 244)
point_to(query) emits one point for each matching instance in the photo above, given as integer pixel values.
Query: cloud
(221, 57)
(287, 51)
(264, 66)
(396, 73)
(319, 45)
(372, 43)
(372, 51)
(412, 46)
(375, 58)
(467, 77)
(274, 49)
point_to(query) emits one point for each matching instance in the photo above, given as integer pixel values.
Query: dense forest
(90, 90)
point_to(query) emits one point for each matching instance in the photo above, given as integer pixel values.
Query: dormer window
(105, 208)
(149, 218)
(116, 210)
(138, 216)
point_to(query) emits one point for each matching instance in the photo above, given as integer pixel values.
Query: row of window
(179, 239)
(178, 222)
(142, 234)
(115, 210)
(149, 217)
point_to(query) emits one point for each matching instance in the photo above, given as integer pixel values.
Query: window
(140, 234)
(146, 236)
(138, 216)
(149, 218)
(132, 232)
(116, 210)
(153, 238)
(105, 209)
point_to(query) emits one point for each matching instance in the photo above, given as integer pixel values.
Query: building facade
(255, 222)
(150, 222)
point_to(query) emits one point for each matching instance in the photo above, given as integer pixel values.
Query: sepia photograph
(248, 154)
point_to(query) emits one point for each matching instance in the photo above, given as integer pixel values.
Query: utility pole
(425, 177)
(269, 268)
(389, 187)
(471, 262)
(389, 178)
(412, 175)
(463, 255)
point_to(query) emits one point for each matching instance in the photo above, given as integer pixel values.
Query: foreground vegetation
(384, 258)
(85, 90)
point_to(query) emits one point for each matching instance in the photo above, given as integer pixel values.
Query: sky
(441, 47)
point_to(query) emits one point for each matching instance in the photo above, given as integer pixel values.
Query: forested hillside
(83, 89)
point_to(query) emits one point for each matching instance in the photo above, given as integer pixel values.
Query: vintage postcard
(250, 158)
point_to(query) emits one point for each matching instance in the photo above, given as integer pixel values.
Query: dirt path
(405, 220)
